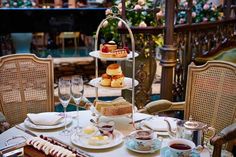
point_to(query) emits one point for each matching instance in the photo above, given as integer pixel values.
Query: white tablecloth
(121, 124)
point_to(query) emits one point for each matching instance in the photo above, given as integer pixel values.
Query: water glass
(64, 86)
(77, 91)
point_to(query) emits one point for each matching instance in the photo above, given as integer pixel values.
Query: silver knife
(26, 130)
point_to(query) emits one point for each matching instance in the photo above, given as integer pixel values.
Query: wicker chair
(26, 85)
(210, 95)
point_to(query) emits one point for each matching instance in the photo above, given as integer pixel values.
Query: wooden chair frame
(31, 79)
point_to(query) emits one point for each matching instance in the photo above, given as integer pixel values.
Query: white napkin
(158, 123)
(45, 118)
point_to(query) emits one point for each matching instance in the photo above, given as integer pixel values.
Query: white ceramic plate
(127, 83)
(83, 141)
(29, 124)
(159, 121)
(96, 55)
(130, 144)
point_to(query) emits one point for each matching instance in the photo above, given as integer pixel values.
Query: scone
(117, 81)
(114, 69)
(106, 80)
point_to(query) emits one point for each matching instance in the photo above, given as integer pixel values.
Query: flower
(141, 2)
(119, 24)
(142, 24)
(202, 11)
(194, 14)
(137, 7)
(105, 24)
(108, 11)
(159, 15)
(206, 6)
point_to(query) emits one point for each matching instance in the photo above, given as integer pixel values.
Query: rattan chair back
(211, 93)
(26, 86)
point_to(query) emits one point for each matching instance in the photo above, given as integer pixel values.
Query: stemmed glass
(77, 91)
(64, 86)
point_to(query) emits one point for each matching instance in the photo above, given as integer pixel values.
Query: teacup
(143, 140)
(180, 147)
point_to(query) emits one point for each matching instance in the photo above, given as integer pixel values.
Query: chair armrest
(226, 135)
(162, 106)
(3, 124)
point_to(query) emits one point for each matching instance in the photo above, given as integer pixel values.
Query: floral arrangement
(18, 3)
(202, 11)
(138, 13)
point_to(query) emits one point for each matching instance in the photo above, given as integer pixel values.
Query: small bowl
(106, 128)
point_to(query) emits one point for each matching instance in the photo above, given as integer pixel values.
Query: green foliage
(202, 11)
(139, 13)
(18, 3)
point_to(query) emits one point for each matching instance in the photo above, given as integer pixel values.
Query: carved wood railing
(184, 43)
(201, 40)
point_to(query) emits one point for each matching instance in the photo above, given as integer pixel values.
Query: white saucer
(130, 144)
(29, 124)
(165, 152)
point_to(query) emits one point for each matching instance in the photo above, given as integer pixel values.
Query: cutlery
(11, 147)
(26, 130)
(137, 121)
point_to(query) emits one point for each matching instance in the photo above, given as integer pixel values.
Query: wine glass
(77, 91)
(64, 97)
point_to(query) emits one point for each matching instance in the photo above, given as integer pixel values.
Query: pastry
(106, 80)
(107, 48)
(114, 69)
(119, 53)
(42, 147)
(117, 81)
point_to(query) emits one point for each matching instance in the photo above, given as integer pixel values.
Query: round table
(121, 123)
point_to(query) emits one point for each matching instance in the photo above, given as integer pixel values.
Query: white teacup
(143, 140)
(180, 147)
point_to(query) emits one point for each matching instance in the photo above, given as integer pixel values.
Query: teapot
(191, 130)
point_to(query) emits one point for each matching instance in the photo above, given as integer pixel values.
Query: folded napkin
(46, 118)
(158, 123)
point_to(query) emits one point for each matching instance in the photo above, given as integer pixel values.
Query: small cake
(117, 81)
(109, 47)
(114, 69)
(120, 53)
(106, 80)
